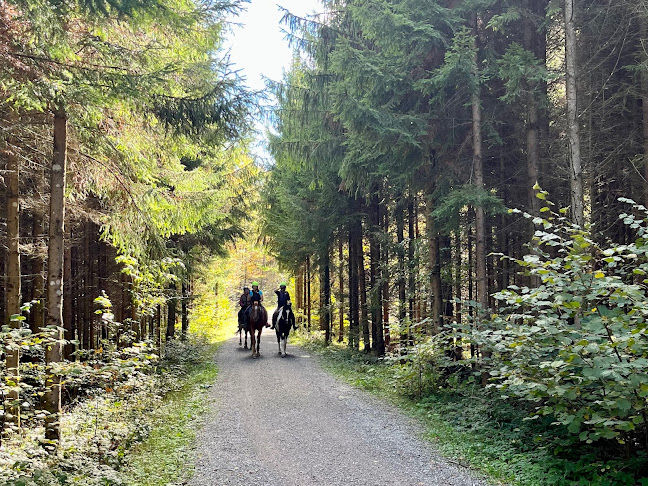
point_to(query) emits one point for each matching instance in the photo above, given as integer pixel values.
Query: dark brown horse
(257, 320)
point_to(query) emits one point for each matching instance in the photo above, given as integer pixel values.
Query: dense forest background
(459, 189)
(460, 185)
(125, 173)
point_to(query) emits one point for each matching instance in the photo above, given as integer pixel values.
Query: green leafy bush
(576, 346)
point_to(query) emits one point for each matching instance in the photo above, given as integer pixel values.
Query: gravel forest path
(286, 422)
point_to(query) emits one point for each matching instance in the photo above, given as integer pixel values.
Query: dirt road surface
(286, 422)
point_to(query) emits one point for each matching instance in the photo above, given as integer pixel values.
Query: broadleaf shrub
(576, 346)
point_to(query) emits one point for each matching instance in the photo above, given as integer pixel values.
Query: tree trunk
(411, 263)
(341, 288)
(308, 293)
(185, 310)
(171, 311)
(418, 296)
(325, 304)
(533, 158)
(158, 326)
(362, 282)
(300, 289)
(575, 169)
(104, 266)
(445, 257)
(354, 304)
(126, 301)
(458, 275)
(377, 336)
(54, 349)
(88, 327)
(13, 291)
(643, 55)
(435, 283)
(400, 250)
(532, 126)
(303, 294)
(386, 279)
(478, 170)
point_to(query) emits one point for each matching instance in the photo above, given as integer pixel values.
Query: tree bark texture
(56, 252)
(478, 181)
(362, 283)
(171, 311)
(532, 44)
(341, 288)
(411, 263)
(325, 304)
(575, 163)
(386, 277)
(308, 293)
(435, 284)
(400, 249)
(158, 321)
(376, 275)
(185, 310)
(643, 55)
(354, 296)
(300, 289)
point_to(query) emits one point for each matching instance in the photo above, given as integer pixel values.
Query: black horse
(285, 321)
(243, 327)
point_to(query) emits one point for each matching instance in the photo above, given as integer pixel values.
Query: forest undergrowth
(140, 432)
(474, 428)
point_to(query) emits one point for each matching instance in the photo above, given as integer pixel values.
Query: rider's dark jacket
(255, 296)
(282, 297)
(245, 300)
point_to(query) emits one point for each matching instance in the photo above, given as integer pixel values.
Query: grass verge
(164, 457)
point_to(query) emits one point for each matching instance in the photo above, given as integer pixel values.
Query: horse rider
(245, 301)
(257, 295)
(283, 297)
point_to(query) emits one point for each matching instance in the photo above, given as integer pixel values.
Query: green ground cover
(139, 433)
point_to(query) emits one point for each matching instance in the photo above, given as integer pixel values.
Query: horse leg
(253, 344)
(246, 335)
(283, 346)
(279, 340)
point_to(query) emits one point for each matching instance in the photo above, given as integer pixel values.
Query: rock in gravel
(287, 422)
